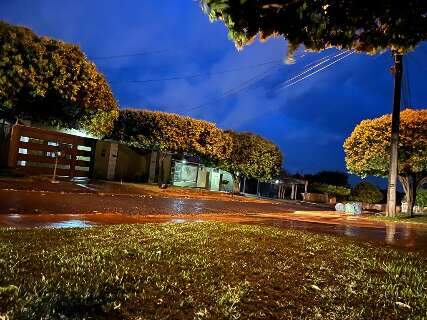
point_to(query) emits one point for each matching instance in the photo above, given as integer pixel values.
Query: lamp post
(57, 154)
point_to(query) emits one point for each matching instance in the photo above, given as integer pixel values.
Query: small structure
(289, 186)
(196, 175)
(283, 188)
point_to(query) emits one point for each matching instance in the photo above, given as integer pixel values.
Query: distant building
(34, 151)
(196, 175)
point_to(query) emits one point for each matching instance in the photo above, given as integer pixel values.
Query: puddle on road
(69, 224)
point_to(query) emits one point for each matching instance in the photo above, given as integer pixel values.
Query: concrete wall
(102, 155)
(131, 165)
(117, 161)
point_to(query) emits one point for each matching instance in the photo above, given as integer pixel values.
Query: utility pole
(397, 71)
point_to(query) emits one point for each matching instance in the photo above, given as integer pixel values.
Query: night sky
(309, 120)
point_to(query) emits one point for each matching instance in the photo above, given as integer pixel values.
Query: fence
(34, 151)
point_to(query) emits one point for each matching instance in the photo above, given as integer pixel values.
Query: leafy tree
(367, 150)
(252, 156)
(52, 82)
(167, 132)
(367, 193)
(335, 178)
(363, 26)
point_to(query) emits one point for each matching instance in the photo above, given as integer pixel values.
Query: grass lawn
(418, 219)
(205, 270)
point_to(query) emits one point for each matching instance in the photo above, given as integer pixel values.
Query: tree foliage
(335, 178)
(368, 26)
(167, 132)
(52, 82)
(338, 191)
(253, 156)
(367, 149)
(244, 153)
(421, 198)
(367, 193)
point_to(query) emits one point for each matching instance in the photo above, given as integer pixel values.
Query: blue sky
(309, 121)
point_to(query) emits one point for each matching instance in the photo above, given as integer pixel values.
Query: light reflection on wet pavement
(81, 203)
(50, 209)
(398, 235)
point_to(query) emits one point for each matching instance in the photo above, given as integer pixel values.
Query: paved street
(85, 207)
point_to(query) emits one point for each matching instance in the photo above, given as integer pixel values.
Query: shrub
(421, 200)
(367, 192)
(339, 192)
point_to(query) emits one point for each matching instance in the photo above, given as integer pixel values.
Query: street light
(57, 154)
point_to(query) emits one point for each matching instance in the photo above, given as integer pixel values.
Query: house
(36, 151)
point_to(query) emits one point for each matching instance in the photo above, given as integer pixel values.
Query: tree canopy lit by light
(50, 81)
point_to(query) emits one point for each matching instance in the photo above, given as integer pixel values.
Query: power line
(243, 86)
(415, 59)
(199, 74)
(324, 60)
(284, 86)
(408, 82)
(137, 54)
(404, 84)
(120, 56)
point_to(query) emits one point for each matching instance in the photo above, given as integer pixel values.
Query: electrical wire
(324, 60)
(248, 83)
(311, 74)
(199, 74)
(137, 54)
(174, 78)
(242, 86)
(407, 81)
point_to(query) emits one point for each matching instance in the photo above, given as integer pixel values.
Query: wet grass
(416, 219)
(205, 270)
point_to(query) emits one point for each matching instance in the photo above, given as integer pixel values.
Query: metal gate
(34, 151)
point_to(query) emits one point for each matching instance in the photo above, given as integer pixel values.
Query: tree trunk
(394, 147)
(236, 184)
(411, 184)
(407, 183)
(412, 196)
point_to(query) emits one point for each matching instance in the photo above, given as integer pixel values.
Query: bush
(421, 200)
(367, 193)
(339, 192)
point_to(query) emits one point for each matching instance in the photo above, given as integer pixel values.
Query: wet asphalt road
(76, 203)
(29, 209)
